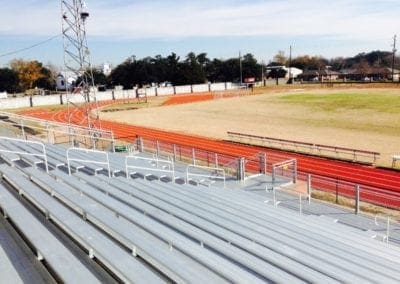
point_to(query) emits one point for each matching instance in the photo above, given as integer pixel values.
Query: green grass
(387, 101)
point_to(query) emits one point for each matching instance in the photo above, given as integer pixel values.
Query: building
(320, 75)
(64, 85)
(291, 72)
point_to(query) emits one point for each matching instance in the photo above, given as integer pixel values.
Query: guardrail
(343, 153)
(42, 154)
(338, 187)
(159, 165)
(59, 133)
(211, 176)
(88, 160)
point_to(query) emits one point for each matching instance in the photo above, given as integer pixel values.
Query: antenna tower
(77, 60)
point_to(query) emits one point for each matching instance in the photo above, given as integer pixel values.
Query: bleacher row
(153, 231)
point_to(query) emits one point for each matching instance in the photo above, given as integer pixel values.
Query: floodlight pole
(76, 55)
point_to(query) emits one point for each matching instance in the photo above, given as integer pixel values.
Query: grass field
(365, 119)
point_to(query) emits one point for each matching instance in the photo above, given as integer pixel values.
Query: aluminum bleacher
(7, 270)
(62, 261)
(153, 231)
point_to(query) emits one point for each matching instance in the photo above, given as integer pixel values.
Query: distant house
(106, 69)
(64, 85)
(320, 75)
(292, 72)
(370, 74)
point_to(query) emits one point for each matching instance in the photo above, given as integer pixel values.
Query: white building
(107, 69)
(292, 72)
(64, 85)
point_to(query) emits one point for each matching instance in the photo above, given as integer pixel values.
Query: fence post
(387, 229)
(193, 156)
(112, 142)
(309, 188)
(240, 169)
(263, 163)
(273, 176)
(139, 142)
(174, 148)
(216, 160)
(158, 149)
(295, 171)
(357, 209)
(337, 190)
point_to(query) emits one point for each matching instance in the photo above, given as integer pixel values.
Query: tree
(277, 73)
(8, 80)
(29, 72)
(98, 77)
(307, 62)
(280, 58)
(250, 67)
(48, 81)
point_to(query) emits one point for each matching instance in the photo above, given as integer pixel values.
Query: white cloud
(358, 19)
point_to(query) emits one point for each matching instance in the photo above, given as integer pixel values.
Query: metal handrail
(310, 146)
(44, 155)
(210, 176)
(103, 133)
(157, 161)
(86, 151)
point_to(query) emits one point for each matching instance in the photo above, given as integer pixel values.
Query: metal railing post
(158, 148)
(174, 149)
(263, 163)
(387, 229)
(139, 142)
(357, 207)
(216, 160)
(240, 169)
(194, 156)
(309, 188)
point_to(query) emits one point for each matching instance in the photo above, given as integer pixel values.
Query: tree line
(192, 69)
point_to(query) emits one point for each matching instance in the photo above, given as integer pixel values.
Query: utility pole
(76, 57)
(290, 65)
(262, 73)
(394, 55)
(240, 67)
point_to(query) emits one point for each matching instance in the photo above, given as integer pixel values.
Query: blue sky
(120, 28)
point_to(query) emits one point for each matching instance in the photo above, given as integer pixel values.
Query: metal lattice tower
(76, 58)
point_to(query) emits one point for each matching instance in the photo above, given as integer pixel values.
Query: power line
(30, 47)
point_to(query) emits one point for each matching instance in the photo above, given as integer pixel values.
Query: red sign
(249, 80)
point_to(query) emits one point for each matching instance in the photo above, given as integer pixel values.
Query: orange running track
(344, 171)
